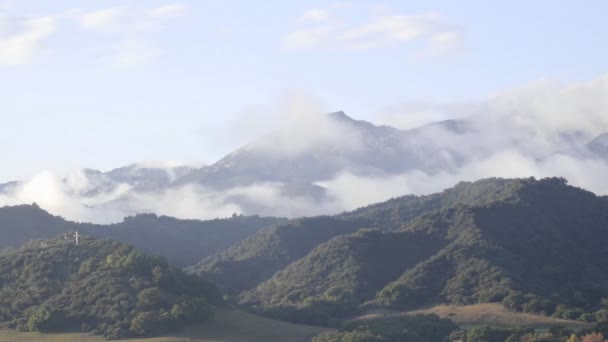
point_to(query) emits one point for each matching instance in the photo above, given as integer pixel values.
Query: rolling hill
(258, 257)
(99, 286)
(226, 325)
(183, 242)
(535, 245)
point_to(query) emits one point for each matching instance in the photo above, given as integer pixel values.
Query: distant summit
(599, 145)
(307, 167)
(340, 115)
(344, 145)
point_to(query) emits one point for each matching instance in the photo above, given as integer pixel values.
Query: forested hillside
(535, 245)
(98, 286)
(257, 258)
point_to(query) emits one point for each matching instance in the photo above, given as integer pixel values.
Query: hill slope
(225, 325)
(546, 245)
(536, 245)
(98, 286)
(257, 258)
(183, 242)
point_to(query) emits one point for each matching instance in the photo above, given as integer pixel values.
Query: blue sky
(104, 83)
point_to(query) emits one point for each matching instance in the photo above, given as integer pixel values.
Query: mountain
(97, 189)
(348, 269)
(258, 257)
(535, 245)
(339, 144)
(286, 167)
(142, 177)
(99, 286)
(309, 167)
(599, 145)
(183, 242)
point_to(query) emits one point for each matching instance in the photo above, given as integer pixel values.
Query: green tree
(46, 320)
(191, 310)
(151, 298)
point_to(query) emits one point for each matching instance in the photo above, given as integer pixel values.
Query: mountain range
(300, 170)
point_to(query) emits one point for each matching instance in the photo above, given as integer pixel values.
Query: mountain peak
(341, 116)
(599, 144)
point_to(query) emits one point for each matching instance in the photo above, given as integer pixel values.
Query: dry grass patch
(497, 315)
(226, 326)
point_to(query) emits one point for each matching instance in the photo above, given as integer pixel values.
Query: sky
(100, 83)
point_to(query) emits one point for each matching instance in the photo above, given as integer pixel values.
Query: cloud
(536, 130)
(103, 19)
(380, 31)
(302, 124)
(134, 53)
(124, 19)
(50, 193)
(22, 38)
(167, 11)
(315, 14)
(130, 22)
(350, 191)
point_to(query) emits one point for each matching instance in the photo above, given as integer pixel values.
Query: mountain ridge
(506, 244)
(183, 242)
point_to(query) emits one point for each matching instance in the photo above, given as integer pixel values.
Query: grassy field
(227, 325)
(483, 314)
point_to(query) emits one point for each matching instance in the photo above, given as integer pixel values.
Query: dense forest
(99, 286)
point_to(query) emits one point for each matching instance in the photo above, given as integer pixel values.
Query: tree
(191, 310)
(46, 320)
(151, 298)
(143, 323)
(593, 337)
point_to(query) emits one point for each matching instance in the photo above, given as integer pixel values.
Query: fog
(537, 130)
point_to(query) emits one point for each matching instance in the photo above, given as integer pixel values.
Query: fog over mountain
(319, 163)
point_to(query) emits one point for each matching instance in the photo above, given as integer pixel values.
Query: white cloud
(380, 31)
(21, 38)
(531, 131)
(103, 19)
(127, 19)
(315, 14)
(131, 22)
(50, 193)
(134, 53)
(445, 42)
(308, 38)
(167, 11)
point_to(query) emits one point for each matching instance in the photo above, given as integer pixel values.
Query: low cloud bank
(540, 130)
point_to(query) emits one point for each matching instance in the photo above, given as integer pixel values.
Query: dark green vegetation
(182, 242)
(98, 286)
(537, 246)
(257, 258)
(226, 325)
(421, 328)
(554, 334)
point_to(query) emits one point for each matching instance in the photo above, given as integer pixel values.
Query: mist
(538, 130)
